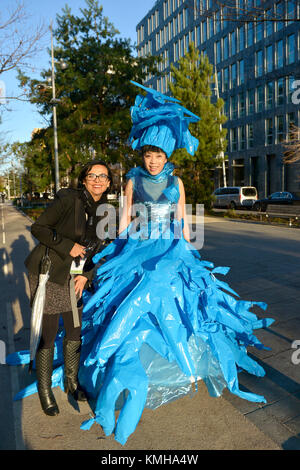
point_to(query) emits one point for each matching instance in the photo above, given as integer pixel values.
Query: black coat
(61, 225)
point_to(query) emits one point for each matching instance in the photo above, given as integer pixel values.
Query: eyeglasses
(93, 177)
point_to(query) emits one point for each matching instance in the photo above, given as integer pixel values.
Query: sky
(18, 123)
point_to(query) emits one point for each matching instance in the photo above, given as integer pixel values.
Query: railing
(292, 213)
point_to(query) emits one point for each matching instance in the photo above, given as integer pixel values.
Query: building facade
(254, 47)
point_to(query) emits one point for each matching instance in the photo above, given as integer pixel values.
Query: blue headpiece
(160, 121)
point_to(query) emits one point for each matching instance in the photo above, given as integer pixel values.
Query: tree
(94, 91)
(192, 85)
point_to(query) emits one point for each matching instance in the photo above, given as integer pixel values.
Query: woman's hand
(181, 212)
(126, 213)
(78, 250)
(79, 282)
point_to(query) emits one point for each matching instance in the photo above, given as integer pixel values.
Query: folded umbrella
(38, 307)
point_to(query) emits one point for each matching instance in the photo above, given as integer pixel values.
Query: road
(265, 266)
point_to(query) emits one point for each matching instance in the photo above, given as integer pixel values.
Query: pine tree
(192, 85)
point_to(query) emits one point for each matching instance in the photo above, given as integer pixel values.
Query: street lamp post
(54, 103)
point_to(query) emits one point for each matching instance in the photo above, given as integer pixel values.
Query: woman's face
(154, 162)
(96, 186)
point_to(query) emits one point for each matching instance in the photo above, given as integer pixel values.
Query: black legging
(50, 328)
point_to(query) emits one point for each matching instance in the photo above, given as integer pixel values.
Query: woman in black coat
(67, 229)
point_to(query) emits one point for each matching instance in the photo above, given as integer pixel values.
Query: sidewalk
(192, 423)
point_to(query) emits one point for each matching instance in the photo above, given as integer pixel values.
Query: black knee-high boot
(71, 351)
(44, 367)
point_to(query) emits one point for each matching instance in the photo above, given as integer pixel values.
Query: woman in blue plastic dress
(171, 322)
(159, 319)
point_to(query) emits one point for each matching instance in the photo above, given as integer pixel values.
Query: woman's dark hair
(151, 148)
(87, 167)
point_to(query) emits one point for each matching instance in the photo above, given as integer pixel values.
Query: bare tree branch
(18, 40)
(230, 10)
(292, 145)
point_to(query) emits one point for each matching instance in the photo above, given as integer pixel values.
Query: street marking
(3, 227)
(5, 264)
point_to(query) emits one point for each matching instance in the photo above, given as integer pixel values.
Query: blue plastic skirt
(160, 320)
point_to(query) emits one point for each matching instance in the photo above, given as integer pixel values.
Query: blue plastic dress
(159, 320)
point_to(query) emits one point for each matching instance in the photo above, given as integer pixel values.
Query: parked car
(235, 196)
(280, 197)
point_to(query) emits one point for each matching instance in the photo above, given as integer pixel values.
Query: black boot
(44, 367)
(71, 350)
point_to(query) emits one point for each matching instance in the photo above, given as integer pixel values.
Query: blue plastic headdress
(160, 121)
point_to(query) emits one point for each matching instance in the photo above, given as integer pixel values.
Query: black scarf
(90, 207)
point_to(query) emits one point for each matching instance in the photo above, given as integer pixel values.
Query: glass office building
(258, 72)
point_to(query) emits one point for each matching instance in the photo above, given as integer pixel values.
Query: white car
(235, 196)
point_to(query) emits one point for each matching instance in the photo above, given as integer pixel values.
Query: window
(181, 21)
(251, 101)
(181, 47)
(269, 131)
(225, 79)
(291, 50)
(192, 36)
(166, 32)
(250, 35)
(204, 31)
(279, 54)
(269, 58)
(233, 105)
(176, 51)
(279, 9)
(290, 10)
(218, 52)
(241, 38)
(269, 24)
(241, 104)
(259, 31)
(198, 35)
(218, 21)
(242, 137)
(175, 23)
(234, 139)
(241, 72)
(258, 63)
(280, 134)
(232, 43)
(226, 108)
(186, 18)
(233, 76)
(260, 99)
(280, 92)
(171, 30)
(211, 26)
(219, 77)
(225, 47)
(269, 95)
(290, 89)
(166, 13)
(250, 140)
